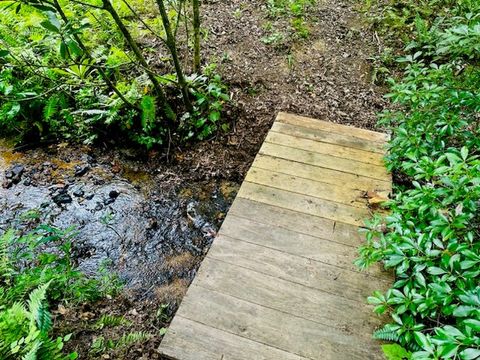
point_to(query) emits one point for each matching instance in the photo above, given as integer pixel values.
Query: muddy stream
(150, 228)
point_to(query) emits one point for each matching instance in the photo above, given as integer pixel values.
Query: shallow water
(149, 233)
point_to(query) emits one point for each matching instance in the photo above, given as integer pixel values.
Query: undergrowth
(431, 235)
(37, 270)
(84, 71)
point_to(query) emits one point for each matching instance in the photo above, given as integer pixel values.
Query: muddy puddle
(151, 227)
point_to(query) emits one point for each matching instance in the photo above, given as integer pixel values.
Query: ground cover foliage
(431, 236)
(92, 69)
(37, 269)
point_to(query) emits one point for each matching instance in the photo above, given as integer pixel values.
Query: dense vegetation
(87, 69)
(37, 269)
(431, 236)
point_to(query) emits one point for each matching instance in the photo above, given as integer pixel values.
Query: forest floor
(175, 207)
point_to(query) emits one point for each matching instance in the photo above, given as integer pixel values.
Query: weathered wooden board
(269, 326)
(328, 137)
(296, 269)
(304, 203)
(335, 193)
(325, 161)
(338, 151)
(278, 217)
(279, 280)
(303, 121)
(325, 251)
(286, 296)
(191, 340)
(341, 179)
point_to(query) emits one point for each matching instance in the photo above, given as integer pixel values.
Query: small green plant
(107, 320)
(396, 352)
(296, 12)
(101, 345)
(210, 97)
(27, 263)
(237, 14)
(275, 38)
(24, 330)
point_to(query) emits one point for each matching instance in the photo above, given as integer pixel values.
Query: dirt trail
(326, 75)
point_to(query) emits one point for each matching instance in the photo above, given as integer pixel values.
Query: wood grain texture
(303, 121)
(191, 340)
(337, 151)
(325, 161)
(341, 179)
(279, 280)
(345, 283)
(343, 139)
(274, 328)
(304, 203)
(332, 192)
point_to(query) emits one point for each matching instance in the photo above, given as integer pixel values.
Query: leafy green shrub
(431, 236)
(75, 70)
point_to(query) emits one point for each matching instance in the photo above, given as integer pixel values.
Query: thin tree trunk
(102, 73)
(171, 43)
(140, 58)
(196, 31)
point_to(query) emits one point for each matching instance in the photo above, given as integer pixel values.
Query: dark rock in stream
(108, 201)
(13, 175)
(78, 193)
(62, 198)
(81, 170)
(113, 194)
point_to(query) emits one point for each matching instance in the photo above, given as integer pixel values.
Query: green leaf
(52, 23)
(424, 342)
(74, 47)
(463, 311)
(63, 50)
(436, 270)
(470, 354)
(395, 352)
(214, 116)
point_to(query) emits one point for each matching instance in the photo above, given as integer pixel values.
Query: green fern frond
(132, 338)
(38, 310)
(386, 334)
(111, 321)
(33, 352)
(5, 241)
(51, 108)
(148, 111)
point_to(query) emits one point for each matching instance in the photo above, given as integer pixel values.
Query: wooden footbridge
(278, 282)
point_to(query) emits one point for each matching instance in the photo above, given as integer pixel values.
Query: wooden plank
(191, 340)
(274, 328)
(294, 243)
(331, 127)
(325, 161)
(279, 280)
(337, 151)
(309, 187)
(301, 270)
(324, 175)
(303, 203)
(299, 222)
(287, 297)
(328, 137)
